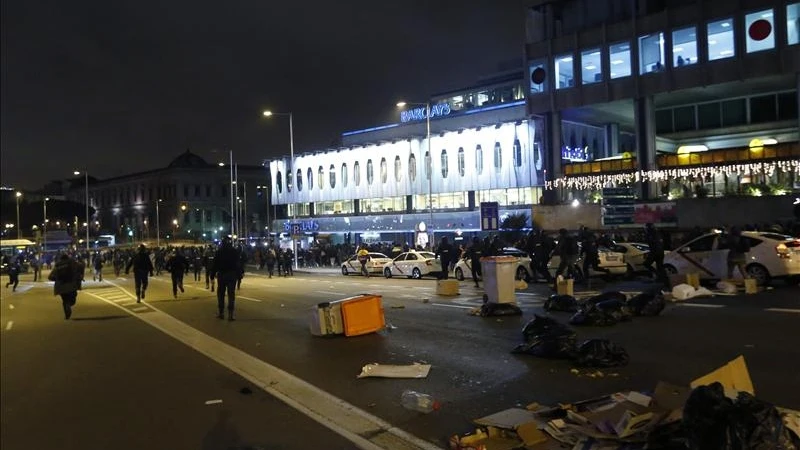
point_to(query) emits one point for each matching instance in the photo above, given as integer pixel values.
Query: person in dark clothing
(67, 277)
(591, 254)
(208, 263)
(568, 251)
(197, 265)
(36, 266)
(13, 275)
(242, 265)
(542, 248)
(446, 254)
(474, 253)
(286, 262)
(738, 246)
(269, 259)
(98, 268)
(656, 254)
(142, 267)
(176, 266)
(226, 271)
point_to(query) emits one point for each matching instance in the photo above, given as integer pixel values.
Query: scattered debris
(426, 300)
(415, 370)
(565, 303)
(496, 309)
(685, 292)
(398, 306)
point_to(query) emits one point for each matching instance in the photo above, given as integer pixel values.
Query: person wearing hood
(142, 267)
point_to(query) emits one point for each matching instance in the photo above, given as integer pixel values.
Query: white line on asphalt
(140, 308)
(213, 402)
(248, 298)
(9, 325)
(127, 304)
(330, 292)
(786, 310)
(10, 306)
(366, 431)
(701, 305)
(529, 294)
(452, 306)
(120, 300)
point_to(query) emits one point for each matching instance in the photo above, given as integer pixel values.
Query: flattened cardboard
(508, 419)
(733, 376)
(531, 434)
(670, 397)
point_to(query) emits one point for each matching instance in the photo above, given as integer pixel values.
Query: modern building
(188, 199)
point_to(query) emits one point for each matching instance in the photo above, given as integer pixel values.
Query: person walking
(591, 255)
(363, 258)
(117, 262)
(446, 254)
(226, 271)
(208, 263)
(197, 264)
(97, 275)
(36, 266)
(656, 254)
(738, 247)
(269, 259)
(142, 267)
(542, 249)
(67, 277)
(286, 262)
(242, 267)
(474, 253)
(13, 275)
(176, 266)
(568, 251)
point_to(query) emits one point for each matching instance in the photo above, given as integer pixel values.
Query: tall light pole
(245, 220)
(233, 231)
(158, 225)
(86, 177)
(429, 162)
(19, 229)
(291, 169)
(44, 226)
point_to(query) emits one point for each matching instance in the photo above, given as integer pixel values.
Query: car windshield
(426, 255)
(776, 236)
(378, 255)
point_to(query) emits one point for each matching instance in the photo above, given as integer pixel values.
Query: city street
(128, 376)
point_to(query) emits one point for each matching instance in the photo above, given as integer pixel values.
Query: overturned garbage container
(499, 278)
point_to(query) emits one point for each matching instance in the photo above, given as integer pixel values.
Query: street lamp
(429, 163)
(291, 170)
(19, 229)
(86, 176)
(158, 226)
(44, 226)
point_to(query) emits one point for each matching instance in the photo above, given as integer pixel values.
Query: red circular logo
(760, 30)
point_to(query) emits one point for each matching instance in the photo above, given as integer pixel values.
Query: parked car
(634, 255)
(463, 267)
(413, 264)
(375, 263)
(611, 260)
(771, 255)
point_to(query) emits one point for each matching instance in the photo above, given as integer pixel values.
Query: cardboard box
(750, 286)
(693, 280)
(447, 287)
(565, 287)
(362, 314)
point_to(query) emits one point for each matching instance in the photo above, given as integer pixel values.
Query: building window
(299, 180)
(619, 60)
(651, 53)
(591, 68)
(537, 73)
(709, 116)
(763, 109)
(684, 118)
(384, 171)
(734, 112)
(684, 46)
(787, 106)
(563, 71)
(445, 169)
(344, 174)
(759, 31)
(398, 166)
(793, 23)
(278, 183)
(428, 165)
(517, 153)
(370, 173)
(288, 184)
(321, 178)
(479, 159)
(461, 165)
(720, 39)
(310, 178)
(332, 176)
(357, 173)
(498, 157)
(412, 168)
(664, 121)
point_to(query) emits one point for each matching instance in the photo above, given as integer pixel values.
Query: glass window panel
(720, 39)
(664, 121)
(299, 180)
(384, 171)
(479, 159)
(793, 23)
(320, 177)
(357, 173)
(288, 182)
(310, 178)
(734, 112)
(709, 116)
(498, 157)
(344, 174)
(445, 169)
(619, 60)
(787, 106)
(461, 165)
(684, 118)
(332, 176)
(278, 183)
(763, 109)
(412, 168)
(398, 166)
(517, 153)
(370, 173)
(563, 71)
(651, 53)
(591, 68)
(428, 165)
(759, 30)
(684, 46)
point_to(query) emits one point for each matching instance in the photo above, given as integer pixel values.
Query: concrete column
(645, 117)
(611, 140)
(552, 155)
(471, 200)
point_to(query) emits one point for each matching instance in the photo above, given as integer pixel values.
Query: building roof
(188, 159)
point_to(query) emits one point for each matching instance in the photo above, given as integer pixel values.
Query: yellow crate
(447, 287)
(565, 287)
(750, 286)
(693, 280)
(363, 314)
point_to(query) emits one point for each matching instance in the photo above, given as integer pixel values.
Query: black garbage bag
(544, 325)
(601, 353)
(616, 309)
(757, 425)
(593, 316)
(566, 303)
(705, 418)
(647, 304)
(500, 309)
(547, 338)
(611, 295)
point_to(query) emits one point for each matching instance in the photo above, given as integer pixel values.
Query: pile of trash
(717, 411)
(608, 308)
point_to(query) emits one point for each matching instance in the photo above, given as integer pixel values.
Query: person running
(474, 253)
(98, 268)
(67, 277)
(176, 266)
(226, 270)
(197, 264)
(13, 275)
(208, 263)
(142, 267)
(363, 258)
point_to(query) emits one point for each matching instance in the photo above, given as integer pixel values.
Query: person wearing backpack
(738, 246)
(67, 275)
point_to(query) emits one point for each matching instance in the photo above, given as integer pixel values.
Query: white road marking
(330, 292)
(213, 402)
(786, 310)
(453, 306)
(366, 431)
(140, 308)
(10, 306)
(9, 325)
(120, 300)
(126, 304)
(529, 294)
(701, 305)
(249, 298)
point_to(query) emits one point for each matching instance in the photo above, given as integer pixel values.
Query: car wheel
(670, 269)
(459, 274)
(521, 274)
(416, 274)
(758, 273)
(344, 271)
(387, 272)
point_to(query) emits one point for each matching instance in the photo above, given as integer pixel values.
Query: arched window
(344, 174)
(412, 168)
(370, 174)
(384, 171)
(445, 169)
(357, 173)
(310, 178)
(517, 153)
(498, 157)
(299, 180)
(428, 165)
(461, 165)
(288, 182)
(479, 159)
(332, 176)
(397, 168)
(279, 182)
(320, 177)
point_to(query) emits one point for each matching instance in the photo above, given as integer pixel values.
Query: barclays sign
(415, 114)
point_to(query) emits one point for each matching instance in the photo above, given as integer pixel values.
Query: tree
(512, 227)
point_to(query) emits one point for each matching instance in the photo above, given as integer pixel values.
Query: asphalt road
(118, 376)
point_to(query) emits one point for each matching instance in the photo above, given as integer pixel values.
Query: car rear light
(784, 249)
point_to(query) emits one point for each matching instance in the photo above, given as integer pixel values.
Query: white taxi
(771, 255)
(610, 260)
(463, 268)
(375, 263)
(413, 265)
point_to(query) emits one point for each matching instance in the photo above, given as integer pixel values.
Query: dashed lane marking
(452, 306)
(124, 304)
(9, 325)
(786, 310)
(701, 305)
(140, 309)
(10, 306)
(249, 298)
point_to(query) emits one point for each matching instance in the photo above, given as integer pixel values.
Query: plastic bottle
(416, 401)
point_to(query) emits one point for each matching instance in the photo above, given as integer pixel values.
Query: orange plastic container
(362, 314)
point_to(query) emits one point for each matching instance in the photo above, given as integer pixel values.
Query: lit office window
(357, 173)
(720, 39)
(793, 23)
(370, 172)
(428, 165)
(310, 178)
(537, 74)
(384, 171)
(344, 174)
(759, 31)
(278, 182)
(332, 176)
(619, 60)
(651, 53)
(445, 169)
(412, 168)
(288, 182)
(461, 165)
(563, 71)
(398, 166)
(498, 157)
(320, 178)
(517, 153)
(591, 70)
(684, 47)
(479, 159)
(299, 180)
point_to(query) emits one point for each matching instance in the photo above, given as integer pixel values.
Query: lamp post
(158, 225)
(86, 177)
(291, 169)
(19, 229)
(429, 162)
(44, 225)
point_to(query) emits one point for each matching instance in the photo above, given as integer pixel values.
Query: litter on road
(213, 402)
(415, 370)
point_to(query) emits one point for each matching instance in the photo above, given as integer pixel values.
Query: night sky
(125, 86)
